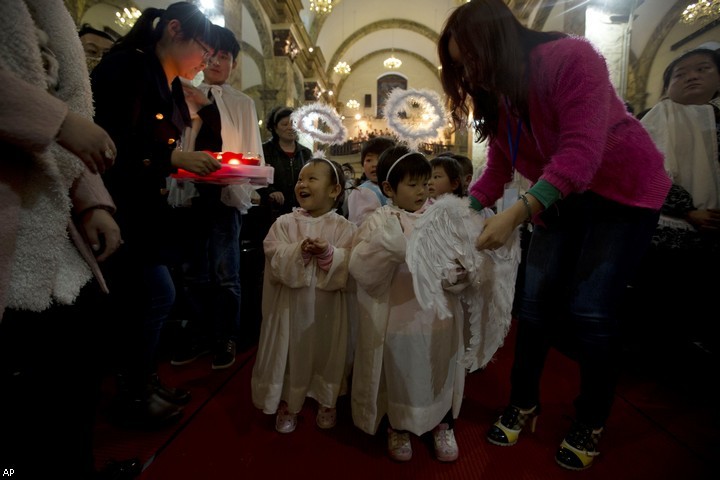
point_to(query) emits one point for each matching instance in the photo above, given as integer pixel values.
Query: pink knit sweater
(582, 137)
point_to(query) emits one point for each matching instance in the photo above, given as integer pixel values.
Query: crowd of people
(99, 245)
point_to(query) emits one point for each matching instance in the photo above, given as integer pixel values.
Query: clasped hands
(314, 246)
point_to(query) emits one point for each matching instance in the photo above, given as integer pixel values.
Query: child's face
(370, 166)
(439, 183)
(411, 193)
(316, 189)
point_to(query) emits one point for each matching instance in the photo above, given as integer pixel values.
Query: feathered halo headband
(415, 116)
(308, 119)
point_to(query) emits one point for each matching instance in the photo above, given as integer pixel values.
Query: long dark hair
(495, 48)
(193, 24)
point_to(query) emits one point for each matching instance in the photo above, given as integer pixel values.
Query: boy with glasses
(224, 120)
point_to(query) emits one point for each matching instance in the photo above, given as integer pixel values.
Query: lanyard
(513, 143)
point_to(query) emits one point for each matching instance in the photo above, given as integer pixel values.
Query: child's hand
(454, 279)
(315, 246)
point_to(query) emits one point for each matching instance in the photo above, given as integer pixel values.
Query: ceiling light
(354, 104)
(127, 17)
(392, 62)
(700, 11)
(342, 68)
(321, 7)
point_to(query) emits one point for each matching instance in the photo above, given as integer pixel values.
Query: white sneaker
(446, 449)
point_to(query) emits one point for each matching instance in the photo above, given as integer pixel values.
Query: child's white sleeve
(336, 277)
(379, 248)
(284, 256)
(361, 203)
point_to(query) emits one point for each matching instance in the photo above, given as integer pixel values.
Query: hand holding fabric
(88, 141)
(101, 231)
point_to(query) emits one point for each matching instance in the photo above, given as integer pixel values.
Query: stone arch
(387, 24)
(430, 66)
(639, 69)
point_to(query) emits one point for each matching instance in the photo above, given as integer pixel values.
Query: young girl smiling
(304, 337)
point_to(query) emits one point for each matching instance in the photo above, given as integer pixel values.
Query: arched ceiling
(362, 32)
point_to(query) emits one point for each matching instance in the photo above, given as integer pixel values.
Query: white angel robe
(305, 332)
(406, 358)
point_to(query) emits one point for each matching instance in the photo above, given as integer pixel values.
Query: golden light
(321, 7)
(127, 17)
(392, 62)
(701, 11)
(353, 104)
(342, 68)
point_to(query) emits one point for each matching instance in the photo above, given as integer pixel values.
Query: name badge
(510, 196)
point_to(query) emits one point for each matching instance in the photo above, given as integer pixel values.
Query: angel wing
(444, 237)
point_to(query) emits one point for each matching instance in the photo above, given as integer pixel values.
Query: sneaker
(446, 449)
(399, 446)
(224, 355)
(579, 447)
(285, 422)
(188, 354)
(506, 430)
(175, 395)
(326, 417)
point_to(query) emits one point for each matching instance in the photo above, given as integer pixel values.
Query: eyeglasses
(207, 54)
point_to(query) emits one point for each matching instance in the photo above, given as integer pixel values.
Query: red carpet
(660, 428)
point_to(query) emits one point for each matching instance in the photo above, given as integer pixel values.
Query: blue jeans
(212, 269)
(160, 291)
(578, 266)
(142, 295)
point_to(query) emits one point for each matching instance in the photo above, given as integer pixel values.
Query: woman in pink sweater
(545, 104)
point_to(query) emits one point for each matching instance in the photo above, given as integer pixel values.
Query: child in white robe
(304, 336)
(447, 177)
(406, 359)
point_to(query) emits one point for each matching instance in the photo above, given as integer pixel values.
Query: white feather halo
(415, 115)
(306, 119)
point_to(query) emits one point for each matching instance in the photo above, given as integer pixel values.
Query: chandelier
(321, 7)
(127, 17)
(392, 62)
(353, 104)
(702, 10)
(342, 68)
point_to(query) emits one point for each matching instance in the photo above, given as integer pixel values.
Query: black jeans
(578, 266)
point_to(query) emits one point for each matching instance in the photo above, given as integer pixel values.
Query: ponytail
(146, 32)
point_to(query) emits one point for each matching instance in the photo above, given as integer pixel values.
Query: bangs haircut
(414, 166)
(376, 145)
(337, 176)
(226, 41)
(452, 169)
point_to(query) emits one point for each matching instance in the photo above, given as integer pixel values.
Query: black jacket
(145, 119)
(286, 173)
